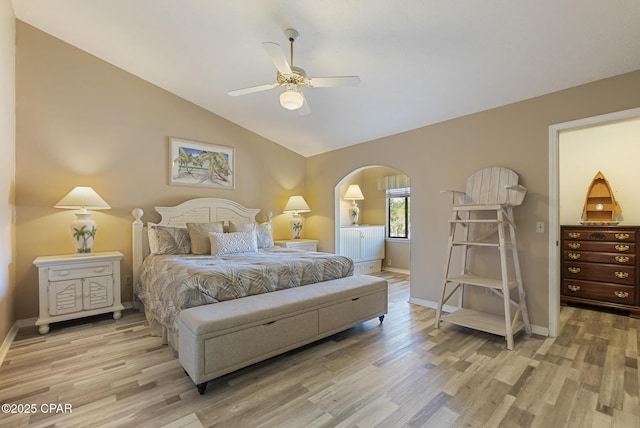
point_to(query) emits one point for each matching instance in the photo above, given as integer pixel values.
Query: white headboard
(200, 210)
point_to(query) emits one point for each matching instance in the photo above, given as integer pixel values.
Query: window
(398, 212)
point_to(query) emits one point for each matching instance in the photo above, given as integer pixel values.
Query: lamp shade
(296, 204)
(292, 98)
(354, 193)
(82, 197)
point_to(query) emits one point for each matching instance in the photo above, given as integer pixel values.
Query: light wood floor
(401, 373)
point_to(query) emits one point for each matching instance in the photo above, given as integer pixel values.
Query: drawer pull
(573, 269)
(622, 247)
(621, 259)
(269, 323)
(573, 245)
(621, 275)
(622, 236)
(355, 298)
(598, 236)
(63, 273)
(621, 294)
(573, 235)
(574, 256)
(98, 270)
(573, 288)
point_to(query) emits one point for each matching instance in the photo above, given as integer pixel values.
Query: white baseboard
(8, 340)
(535, 329)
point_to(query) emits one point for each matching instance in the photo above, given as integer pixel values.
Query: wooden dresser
(600, 267)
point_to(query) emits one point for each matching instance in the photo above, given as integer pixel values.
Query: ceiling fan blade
(332, 82)
(253, 89)
(277, 56)
(305, 109)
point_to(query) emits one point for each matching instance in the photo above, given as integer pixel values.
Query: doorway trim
(554, 207)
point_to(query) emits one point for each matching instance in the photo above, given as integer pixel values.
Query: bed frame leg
(381, 318)
(202, 387)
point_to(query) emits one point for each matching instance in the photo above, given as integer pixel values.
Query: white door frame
(554, 210)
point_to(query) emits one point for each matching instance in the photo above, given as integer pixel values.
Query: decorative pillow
(199, 235)
(153, 238)
(264, 235)
(233, 242)
(170, 240)
(236, 226)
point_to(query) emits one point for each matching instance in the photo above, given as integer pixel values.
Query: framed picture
(193, 163)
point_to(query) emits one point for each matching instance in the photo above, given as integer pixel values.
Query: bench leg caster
(202, 387)
(381, 318)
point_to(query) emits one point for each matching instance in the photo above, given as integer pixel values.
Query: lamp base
(296, 226)
(83, 230)
(355, 213)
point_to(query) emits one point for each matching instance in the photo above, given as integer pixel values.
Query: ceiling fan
(293, 78)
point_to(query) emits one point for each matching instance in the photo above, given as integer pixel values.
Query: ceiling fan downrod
(292, 35)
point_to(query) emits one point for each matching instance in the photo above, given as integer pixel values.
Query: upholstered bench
(223, 337)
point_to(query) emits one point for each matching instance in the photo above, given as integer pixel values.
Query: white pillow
(233, 242)
(199, 235)
(264, 235)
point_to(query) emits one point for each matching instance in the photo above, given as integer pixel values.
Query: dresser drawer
(599, 291)
(596, 257)
(86, 270)
(599, 235)
(603, 247)
(621, 274)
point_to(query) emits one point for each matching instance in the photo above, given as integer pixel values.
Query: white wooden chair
(495, 191)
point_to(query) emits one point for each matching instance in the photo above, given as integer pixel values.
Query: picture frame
(194, 163)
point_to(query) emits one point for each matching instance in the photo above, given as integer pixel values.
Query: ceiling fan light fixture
(292, 98)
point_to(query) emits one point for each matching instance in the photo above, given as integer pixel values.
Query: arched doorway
(375, 181)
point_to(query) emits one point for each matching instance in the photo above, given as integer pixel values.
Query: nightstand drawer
(86, 270)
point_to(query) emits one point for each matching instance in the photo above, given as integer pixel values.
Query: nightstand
(76, 286)
(299, 244)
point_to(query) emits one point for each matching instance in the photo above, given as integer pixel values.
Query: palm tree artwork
(200, 166)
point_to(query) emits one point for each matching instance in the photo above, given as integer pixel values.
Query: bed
(168, 280)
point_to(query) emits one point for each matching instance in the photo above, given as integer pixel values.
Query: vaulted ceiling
(420, 61)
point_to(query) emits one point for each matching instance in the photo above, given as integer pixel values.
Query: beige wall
(584, 152)
(7, 166)
(82, 121)
(441, 156)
